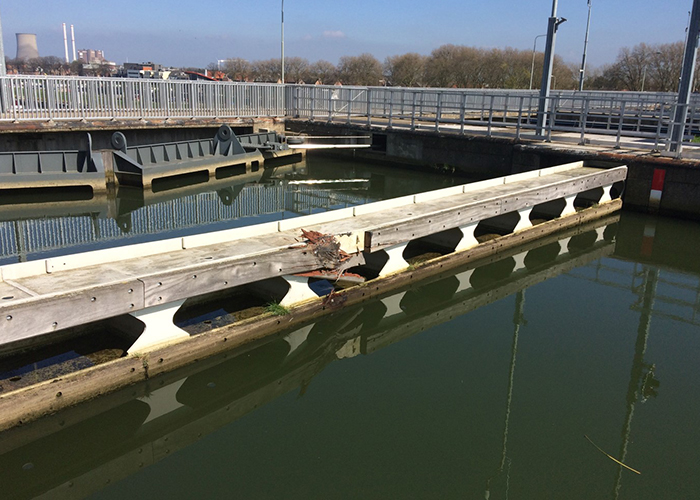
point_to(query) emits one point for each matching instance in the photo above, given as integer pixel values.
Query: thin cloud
(333, 34)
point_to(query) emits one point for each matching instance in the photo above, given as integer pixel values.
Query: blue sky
(179, 33)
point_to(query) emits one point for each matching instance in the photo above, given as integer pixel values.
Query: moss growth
(276, 309)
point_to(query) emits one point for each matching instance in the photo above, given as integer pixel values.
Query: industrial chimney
(65, 42)
(26, 46)
(72, 35)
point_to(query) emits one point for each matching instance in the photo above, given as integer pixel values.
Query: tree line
(642, 67)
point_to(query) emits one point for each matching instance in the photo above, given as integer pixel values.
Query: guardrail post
(438, 111)
(619, 125)
(583, 119)
(520, 117)
(391, 107)
(369, 107)
(462, 113)
(488, 129)
(413, 111)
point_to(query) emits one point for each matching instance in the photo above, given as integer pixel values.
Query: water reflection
(171, 413)
(521, 357)
(40, 227)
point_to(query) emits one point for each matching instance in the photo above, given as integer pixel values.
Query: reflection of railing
(676, 295)
(21, 238)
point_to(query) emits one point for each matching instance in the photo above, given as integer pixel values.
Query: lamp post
(282, 39)
(532, 67)
(543, 108)
(582, 72)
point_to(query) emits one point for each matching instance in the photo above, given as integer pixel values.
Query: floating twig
(611, 457)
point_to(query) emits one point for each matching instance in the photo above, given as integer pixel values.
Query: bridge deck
(45, 296)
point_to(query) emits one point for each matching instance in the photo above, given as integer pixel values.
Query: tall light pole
(282, 42)
(532, 67)
(691, 49)
(552, 26)
(582, 72)
(3, 70)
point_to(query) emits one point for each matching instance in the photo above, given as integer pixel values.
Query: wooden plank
(35, 316)
(402, 230)
(169, 285)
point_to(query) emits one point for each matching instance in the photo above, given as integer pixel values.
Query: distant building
(144, 70)
(91, 56)
(26, 46)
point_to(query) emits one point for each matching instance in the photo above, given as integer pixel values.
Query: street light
(582, 72)
(282, 42)
(532, 68)
(543, 107)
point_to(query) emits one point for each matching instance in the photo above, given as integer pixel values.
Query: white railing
(639, 115)
(60, 98)
(620, 115)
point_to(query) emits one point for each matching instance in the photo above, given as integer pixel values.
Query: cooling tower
(26, 46)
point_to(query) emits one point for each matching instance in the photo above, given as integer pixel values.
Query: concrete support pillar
(468, 240)
(299, 290)
(606, 194)
(569, 207)
(158, 326)
(396, 261)
(524, 221)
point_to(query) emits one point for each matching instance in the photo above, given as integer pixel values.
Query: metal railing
(645, 117)
(57, 98)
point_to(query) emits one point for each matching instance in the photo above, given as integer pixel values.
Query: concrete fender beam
(158, 326)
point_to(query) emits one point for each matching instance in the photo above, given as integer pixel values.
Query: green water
(477, 384)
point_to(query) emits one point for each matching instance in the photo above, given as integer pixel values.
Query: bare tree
(364, 69)
(237, 69)
(406, 70)
(324, 71)
(296, 69)
(269, 70)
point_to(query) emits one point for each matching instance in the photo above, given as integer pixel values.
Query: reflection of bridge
(124, 219)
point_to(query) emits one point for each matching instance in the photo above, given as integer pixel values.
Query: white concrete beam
(158, 326)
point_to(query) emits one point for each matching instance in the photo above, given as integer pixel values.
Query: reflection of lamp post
(282, 42)
(532, 67)
(554, 82)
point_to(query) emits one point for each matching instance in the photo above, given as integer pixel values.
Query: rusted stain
(326, 248)
(334, 299)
